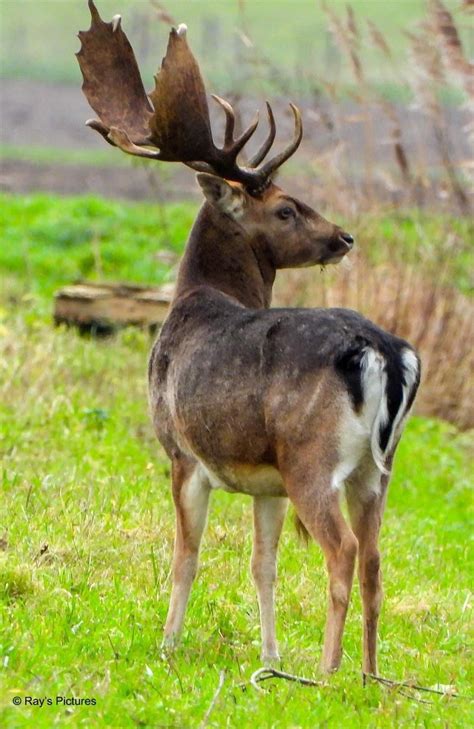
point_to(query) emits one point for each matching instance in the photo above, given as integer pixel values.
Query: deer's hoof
(330, 667)
(272, 660)
(169, 643)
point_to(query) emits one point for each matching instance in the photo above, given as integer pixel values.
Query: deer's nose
(347, 239)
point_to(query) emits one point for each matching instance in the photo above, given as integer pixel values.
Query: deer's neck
(219, 254)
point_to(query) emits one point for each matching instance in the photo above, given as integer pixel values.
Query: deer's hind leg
(191, 499)
(310, 488)
(366, 506)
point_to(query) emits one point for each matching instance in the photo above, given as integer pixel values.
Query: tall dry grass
(408, 152)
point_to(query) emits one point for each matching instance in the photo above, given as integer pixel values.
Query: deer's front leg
(269, 514)
(191, 499)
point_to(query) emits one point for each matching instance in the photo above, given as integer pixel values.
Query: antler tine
(229, 119)
(267, 169)
(260, 155)
(97, 125)
(232, 146)
(120, 139)
(241, 141)
(93, 11)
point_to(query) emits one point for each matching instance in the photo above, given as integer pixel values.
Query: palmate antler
(174, 118)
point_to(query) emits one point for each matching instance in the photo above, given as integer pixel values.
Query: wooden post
(101, 308)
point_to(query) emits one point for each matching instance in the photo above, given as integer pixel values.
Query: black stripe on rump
(348, 365)
(394, 392)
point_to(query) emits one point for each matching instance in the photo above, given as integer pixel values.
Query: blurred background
(386, 90)
(384, 87)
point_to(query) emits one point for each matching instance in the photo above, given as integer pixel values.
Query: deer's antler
(172, 123)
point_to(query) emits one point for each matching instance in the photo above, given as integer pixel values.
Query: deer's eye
(286, 213)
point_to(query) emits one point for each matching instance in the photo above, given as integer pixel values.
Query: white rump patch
(360, 431)
(374, 385)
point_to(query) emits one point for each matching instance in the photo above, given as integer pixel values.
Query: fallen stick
(263, 674)
(412, 697)
(409, 685)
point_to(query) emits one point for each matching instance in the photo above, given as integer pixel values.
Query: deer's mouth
(334, 259)
(338, 248)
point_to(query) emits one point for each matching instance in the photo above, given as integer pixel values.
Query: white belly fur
(246, 479)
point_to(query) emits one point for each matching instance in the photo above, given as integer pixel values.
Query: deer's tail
(393, 380)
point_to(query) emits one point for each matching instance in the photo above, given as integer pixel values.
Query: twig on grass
(263, 674)
(203, 724)
(409, 685)
(412, 697)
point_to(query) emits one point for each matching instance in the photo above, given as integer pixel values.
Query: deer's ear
(224, 196)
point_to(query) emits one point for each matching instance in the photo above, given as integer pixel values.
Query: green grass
(49, 241)
(87, 541)
(87, 528)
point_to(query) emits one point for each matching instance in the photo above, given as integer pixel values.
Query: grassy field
(95, 238)
(87, 525)
(293, 37)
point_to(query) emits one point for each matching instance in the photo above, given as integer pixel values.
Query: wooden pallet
(104, 307)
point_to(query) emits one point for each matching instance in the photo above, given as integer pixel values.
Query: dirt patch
(52, 115)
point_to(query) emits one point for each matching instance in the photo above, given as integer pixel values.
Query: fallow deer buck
(280, 404)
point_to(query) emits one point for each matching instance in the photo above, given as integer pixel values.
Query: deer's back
(226, 380)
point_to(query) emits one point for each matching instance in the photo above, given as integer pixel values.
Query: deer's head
(292, 233)
(172, 124)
